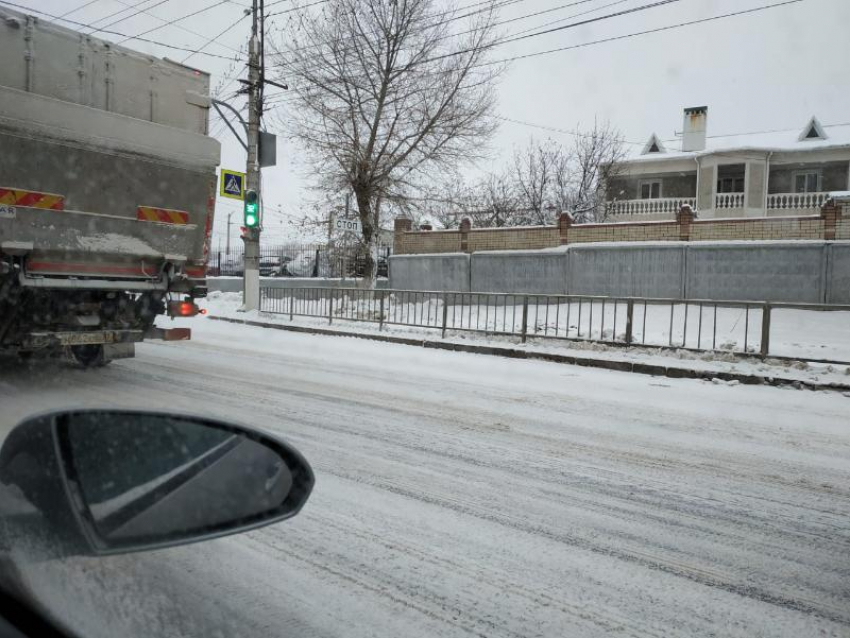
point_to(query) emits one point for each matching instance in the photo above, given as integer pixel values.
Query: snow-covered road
(461, 494)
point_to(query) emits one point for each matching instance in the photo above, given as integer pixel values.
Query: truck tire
(89, 356)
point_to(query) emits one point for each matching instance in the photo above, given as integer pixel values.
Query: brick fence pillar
(465, 226)
(685, 217)
(401, 225)
(565, 220)
(830, 212)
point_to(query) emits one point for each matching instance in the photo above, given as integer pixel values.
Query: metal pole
(227, 244)
(765, 329)
(251, 276)
(524, 317)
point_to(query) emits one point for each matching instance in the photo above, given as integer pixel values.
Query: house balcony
(728, 200)
(795, 203)
(661, 208)
(725, 205)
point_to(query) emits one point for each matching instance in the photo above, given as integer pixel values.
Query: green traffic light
(252, 217)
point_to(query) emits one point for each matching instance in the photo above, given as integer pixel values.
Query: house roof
(837, 136)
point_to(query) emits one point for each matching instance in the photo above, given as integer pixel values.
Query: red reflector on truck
(182, 309)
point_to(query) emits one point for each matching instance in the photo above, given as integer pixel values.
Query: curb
(651, 369)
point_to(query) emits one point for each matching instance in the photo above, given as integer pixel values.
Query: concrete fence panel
(838, 274)
(449, 272)
(639, 270)
(756, 271)
(538, 271)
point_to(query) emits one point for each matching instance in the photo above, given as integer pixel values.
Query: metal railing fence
(701, 325)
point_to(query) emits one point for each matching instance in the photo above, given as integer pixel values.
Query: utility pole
(227, 245)
(251, 276)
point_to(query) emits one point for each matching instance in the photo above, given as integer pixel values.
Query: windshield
(428, 318)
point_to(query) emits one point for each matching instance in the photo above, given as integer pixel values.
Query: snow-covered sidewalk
(723, 364)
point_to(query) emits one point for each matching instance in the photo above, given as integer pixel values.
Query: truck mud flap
(38, 340)
(113, 351)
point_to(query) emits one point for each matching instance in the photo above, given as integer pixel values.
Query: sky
(767, 70)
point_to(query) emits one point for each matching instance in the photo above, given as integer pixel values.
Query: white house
(748, 175)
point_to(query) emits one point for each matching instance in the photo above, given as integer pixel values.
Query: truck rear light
(182, 309)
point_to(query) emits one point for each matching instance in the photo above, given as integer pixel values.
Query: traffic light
(252, 210)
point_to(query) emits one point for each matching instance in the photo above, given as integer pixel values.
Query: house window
(807, 181)
(730, 185)
(650, 189)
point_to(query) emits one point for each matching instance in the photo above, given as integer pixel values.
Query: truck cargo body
(107, 188)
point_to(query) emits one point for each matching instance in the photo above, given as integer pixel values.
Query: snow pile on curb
(227, 305)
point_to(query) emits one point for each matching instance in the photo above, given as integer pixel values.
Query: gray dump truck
(107, 192)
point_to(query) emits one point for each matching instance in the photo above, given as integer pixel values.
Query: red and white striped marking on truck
(162, 215)
(31, 199)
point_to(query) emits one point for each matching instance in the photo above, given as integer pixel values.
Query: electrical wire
(117, 33)
(491, 4)
(180, 19)
(648, 31)
(80, 8)
(572, 25)
(114, 22)
(632, 35)
(181, 27)
(213, 39)
(497, 24)
(559, 130)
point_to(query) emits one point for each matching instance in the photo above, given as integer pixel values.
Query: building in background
(750, 175)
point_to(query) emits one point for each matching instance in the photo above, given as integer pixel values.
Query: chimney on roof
(693, 131)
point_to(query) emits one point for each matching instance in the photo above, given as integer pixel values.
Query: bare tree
(490, 202)
(385, 93)
(597, 158)
(499, 199)
(541, 173)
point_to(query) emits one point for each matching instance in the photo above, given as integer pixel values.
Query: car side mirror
(122, 480)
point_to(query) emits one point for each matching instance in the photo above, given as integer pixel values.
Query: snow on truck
(107, 192)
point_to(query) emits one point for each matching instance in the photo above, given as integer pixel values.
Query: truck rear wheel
(90, 355)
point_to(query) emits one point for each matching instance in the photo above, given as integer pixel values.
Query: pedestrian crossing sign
(232, 184)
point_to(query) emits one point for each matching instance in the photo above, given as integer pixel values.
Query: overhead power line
(491, 5)
(117, 33)
(568, 26)
(306, 6)
(520, 36)
(181, 27)
(80, 8)
(132, 15)
(558, 130)
(647, 32)
(213, 39)
(572, 25)
(180, 19)
(626, 36)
